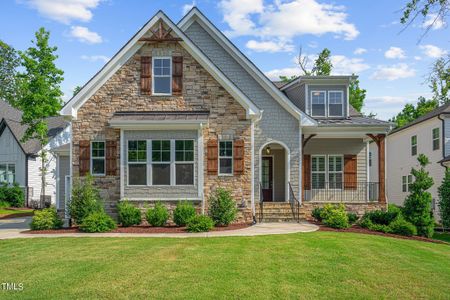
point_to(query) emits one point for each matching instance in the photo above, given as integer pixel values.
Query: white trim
(162, 199)
(122, 164)
(342, 102)
(91, 158)
(7, 164)
(348, 100)
(200, 169)
(138, 162)
(161, 76)
(226, 157)
(324, 104)
(252, 161)
(66, 201)
(319, 172)
(273, 174)
(334, 172)
(57, 182)
(319, 80)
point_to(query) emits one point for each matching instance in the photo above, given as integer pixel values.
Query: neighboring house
(180, 111)
(429, 135)
(20, 162)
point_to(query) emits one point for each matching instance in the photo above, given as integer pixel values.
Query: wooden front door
(267, 178)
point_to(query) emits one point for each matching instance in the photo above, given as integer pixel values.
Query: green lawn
(4, 211)
(443, 236)
(308, 265)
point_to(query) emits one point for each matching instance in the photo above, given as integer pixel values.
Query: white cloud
(433, 51)
(359, 51)
(417, 58)
(269, 46)
(286, 19)
(395, 52)
(187, 7)
(275, 74)
(95, 58)
(343, 65)
(393, 72)
(65, 11)
(83, 34)
(434, 21)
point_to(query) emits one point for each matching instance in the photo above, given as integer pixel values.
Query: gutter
(443, 140)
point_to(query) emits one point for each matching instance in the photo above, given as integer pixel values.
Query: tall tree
(439, 80)
(444, 199)
(40, 95)
(410, 112)
(9, 62)
(357, 94)
(322, 65)
(76, 90)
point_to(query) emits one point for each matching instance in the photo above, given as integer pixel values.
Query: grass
(443, 236)
(306, 266)
(5, 211)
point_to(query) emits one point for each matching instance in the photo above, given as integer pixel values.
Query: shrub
(14, 195)
(128, 214)
(393, 208)
(85, 200)
(316, 213)
(335, 216)
(352, 218)
(4, 204)
(444, 200)
(97, 221)
(222, 208)
(158, 215)
(200, 223)
(402, 227)
(381, 217)
(365, 222)
(46, 219)
(183, 213)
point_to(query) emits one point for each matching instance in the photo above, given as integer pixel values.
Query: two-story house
(180, 111)
(429, 135)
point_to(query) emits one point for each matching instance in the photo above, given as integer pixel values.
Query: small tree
(356, 94)
(444, 200)
(417, 208)
(9, 62)
(323, 65)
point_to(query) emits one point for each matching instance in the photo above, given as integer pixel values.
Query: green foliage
(317, 213)
(393, 208)
(381, 217)
(287, 79)
(444, 199)
(390, 221)
(357, 94)
(352, 218)
(183, 213)
(322, 65)
(158, 215)
(128, 214)
(85, 200)
(97, 222)
(335, 216)
(76, 90)
(222, 208)
(410, 112)
(439, 80)
(417, 207)
(4, 204)
(14, 195)
(9, 62)
(200, 223)
(402, 227)
(46, 219)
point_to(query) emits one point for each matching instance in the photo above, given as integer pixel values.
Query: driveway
(12, 227)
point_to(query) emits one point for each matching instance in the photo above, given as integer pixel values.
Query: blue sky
(364, 37)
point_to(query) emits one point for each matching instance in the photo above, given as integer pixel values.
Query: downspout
(443, 139)
(26, 180)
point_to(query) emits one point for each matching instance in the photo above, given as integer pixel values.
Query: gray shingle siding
(276, 124)
(296, 94)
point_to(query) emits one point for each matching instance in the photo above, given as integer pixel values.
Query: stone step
(275, 210)
(278, 220)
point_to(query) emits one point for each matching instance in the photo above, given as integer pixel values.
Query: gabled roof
(132, 46)
(318, 79)
(12, 117)
(196, 15)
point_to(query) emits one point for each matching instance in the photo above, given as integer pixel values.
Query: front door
(267, 178)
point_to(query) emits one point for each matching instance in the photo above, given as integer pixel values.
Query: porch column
(379, 140)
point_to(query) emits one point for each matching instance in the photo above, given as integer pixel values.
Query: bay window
(318, 103)
(7, 173)
(225, 158)
(137, 162)
(162, 76)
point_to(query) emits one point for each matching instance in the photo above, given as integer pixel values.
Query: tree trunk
(43, 173)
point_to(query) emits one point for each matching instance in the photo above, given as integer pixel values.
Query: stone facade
(201, 91)
(358, 208)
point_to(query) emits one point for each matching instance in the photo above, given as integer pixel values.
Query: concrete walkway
(259, 229)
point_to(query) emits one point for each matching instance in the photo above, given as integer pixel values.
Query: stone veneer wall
(200, 92)
(358, 208)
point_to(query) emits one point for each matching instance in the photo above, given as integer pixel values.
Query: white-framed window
(335, 103)
(225, 157)
(370, 158)
(406, 183)
(318, 171)
(318, 100)
(436, 139)
(335, 171)
(184, 162)
(7, 173)
(98, 161)
(161, 160)
(137, 162)
(414, 145)
(162, 75)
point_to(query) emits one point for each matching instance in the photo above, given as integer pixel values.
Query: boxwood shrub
(13, 194)
(45, 219)
(183, 213)
(200, 223)
(128, 214)
(158, 215)
(98, 222)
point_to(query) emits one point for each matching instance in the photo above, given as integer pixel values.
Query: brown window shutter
(146, 74)
(212, 153)
(238, 157)
(111, 158)
(350, 172)
(177, 75)
(84, 157)
(306, 172)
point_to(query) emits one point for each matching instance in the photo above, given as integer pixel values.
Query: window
(436, 139)
(161, 162)
(370, 158)
(410, 181)
(335, 171)
(335, 103)
(98, 158)
(162, 76)
(137, 162)
(225, 157)
(414, 145)
(318, 171)
(7, 173)
(406, 183)
(184, 162)
(318, 103)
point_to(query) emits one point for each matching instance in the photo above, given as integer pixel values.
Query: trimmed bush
(335, 216)
(128, 214)
(14, 195)
(4, 204)
(316, 213)
(222, 207)
(402, 227)
(444, 200)
(97, 222)
(158, 215)
(46, 219)
(183, 213)
(352, 218)
(85, 200)
(200, 223)
(382, 217)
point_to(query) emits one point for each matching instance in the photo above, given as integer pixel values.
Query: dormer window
(318, 103)
(335, 103)
(162, 76)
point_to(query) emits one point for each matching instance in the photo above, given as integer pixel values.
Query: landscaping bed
(14, 212)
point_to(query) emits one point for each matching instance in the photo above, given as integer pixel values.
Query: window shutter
(350, 172)
(146, 74)
(306, 172)
(177, 75)
(212, 153)
(111, 158)
(84, 157)
(238, 157)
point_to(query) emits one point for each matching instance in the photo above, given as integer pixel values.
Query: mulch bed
(358, 229)
(139, 229)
